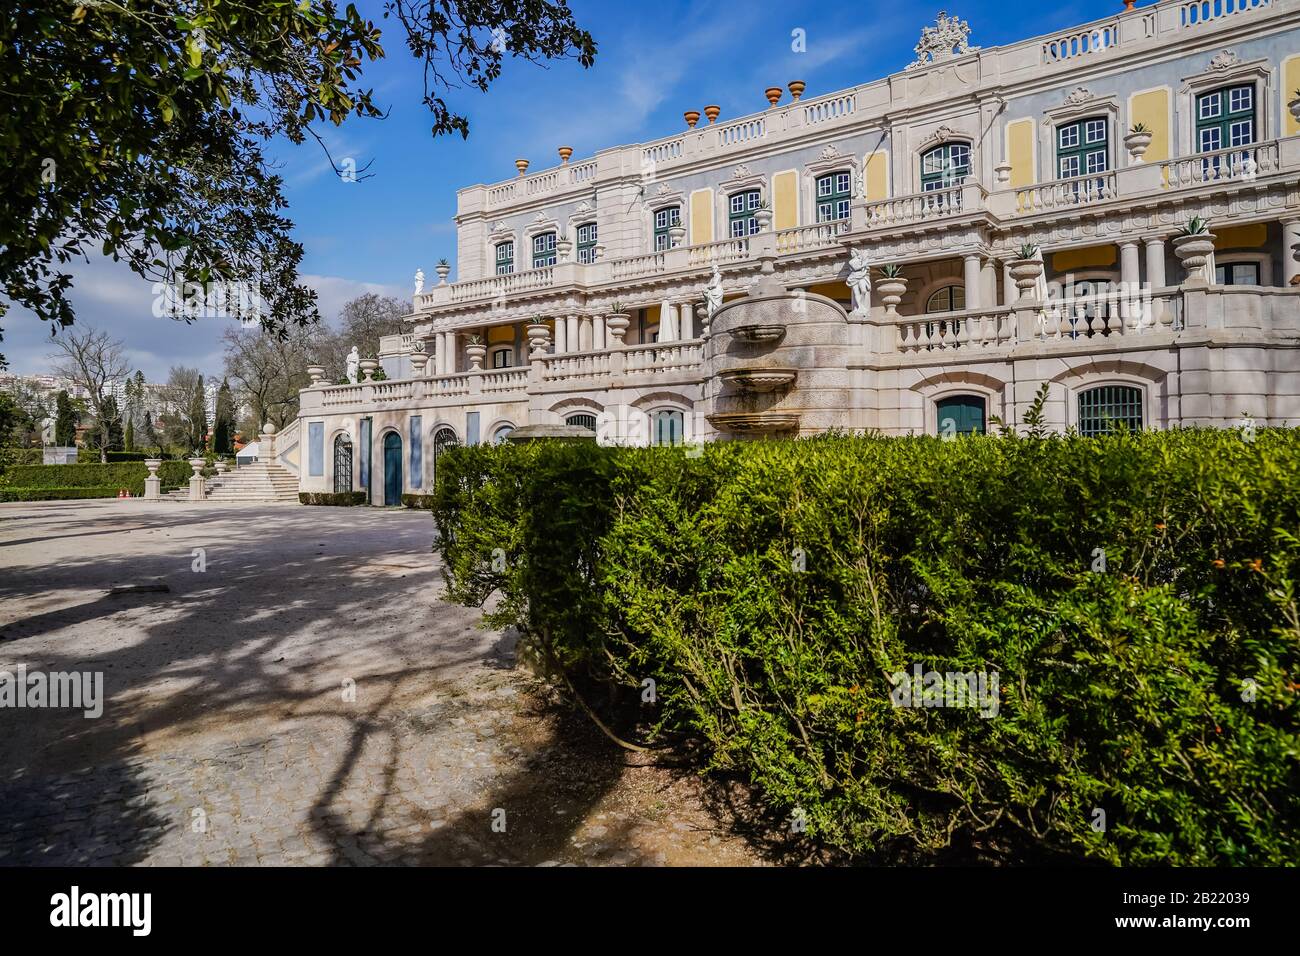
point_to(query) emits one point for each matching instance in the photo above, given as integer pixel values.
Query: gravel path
(297, 695)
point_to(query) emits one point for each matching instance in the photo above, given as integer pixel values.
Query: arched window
(950, 298)
(505, 258)
(666, 219)
(342, 463)
(834, 191)
(667, 427)
(1107, 407)
(443, 438)
(960, 415)
(501, 434)
(503, 357)
(582, 420)
(944, 166)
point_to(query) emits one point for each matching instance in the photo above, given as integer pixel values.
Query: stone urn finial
(796, 89)
(712, 112)
(565, 152)
(773, 94)
(522, 166)
(692, 117)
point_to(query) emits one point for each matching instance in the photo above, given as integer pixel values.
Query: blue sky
(654, 62)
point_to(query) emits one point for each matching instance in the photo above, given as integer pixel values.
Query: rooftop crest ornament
(943, 41)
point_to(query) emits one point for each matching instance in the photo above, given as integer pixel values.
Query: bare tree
(362, 322)
(267, 370)
(176, 415)
(95, 361)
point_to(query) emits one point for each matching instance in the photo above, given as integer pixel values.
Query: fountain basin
(754, 422)
(759, 334)
(759, 379)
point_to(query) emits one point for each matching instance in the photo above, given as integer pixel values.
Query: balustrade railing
(663, 357)
(1241, 164)
(817, 236)
(952, 330)
(917, 207)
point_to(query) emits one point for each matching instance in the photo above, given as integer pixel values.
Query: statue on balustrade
(713, 294)
(354, 365)
(859, 281)
(419, 281)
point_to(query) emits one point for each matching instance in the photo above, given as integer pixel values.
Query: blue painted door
(392, 469)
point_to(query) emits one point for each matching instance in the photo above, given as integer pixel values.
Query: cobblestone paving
(305, 699)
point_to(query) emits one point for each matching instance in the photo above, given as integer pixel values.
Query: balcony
(1185, 177)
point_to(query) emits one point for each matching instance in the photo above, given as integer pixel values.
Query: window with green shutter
(1082, 148)
(587, 242)
(505, 258)
(834, 191)
(544, 250)
(944, 166)
(666, 219)
(741, 207)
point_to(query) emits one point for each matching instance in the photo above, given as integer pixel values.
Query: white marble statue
(859, 281)
(713, 294)
(419, 281)
(354, 365)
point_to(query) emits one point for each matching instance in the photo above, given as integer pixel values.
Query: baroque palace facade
(914, 255)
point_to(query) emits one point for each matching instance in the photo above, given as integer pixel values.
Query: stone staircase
(256, 482)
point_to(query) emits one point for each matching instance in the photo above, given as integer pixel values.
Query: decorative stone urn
(1193, 251)
(712, 112)
(563, 248)
(891, 293)
(1137, 145)
(796, 89)
(692, 117)
(773, 94)
(616, 325)
(1025, 272)
(443, 269)
(676, 235)
(317, 373)
(153, 484)
(418, 362)
(476, 351)
(538, 335)
(764, 216)
(522, 166)
(196, 479)
(368, 367)
(1002, 174)
(565, 152)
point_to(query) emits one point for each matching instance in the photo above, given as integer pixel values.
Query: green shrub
(174, 474)
(418, 502)
(337, 498)
(8, 493)
(772, 589)
(123, 475)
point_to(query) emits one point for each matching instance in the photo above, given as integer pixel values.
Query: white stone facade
(946, 171)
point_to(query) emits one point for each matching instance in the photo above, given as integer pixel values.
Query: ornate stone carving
(944, 132)
(830, 152)
(1224, 61)
(740, 172)
(946, 39)
(1079, 96)
(859, 281)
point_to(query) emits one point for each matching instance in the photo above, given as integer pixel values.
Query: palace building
(1112, 210)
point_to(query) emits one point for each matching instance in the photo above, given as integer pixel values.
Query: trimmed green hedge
(418, 502)
(345, 499)
(55, 494)
(1136, 597)
(90, 456)
(128, 475)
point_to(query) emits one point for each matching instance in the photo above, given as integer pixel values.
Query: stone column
(1290, 249)
(561, 336)
(687, 320)
(1156, 262)
(971, 277)
(598, 333)
(989, 283)
(585, 339)
(574, 338)
(1130, 277)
